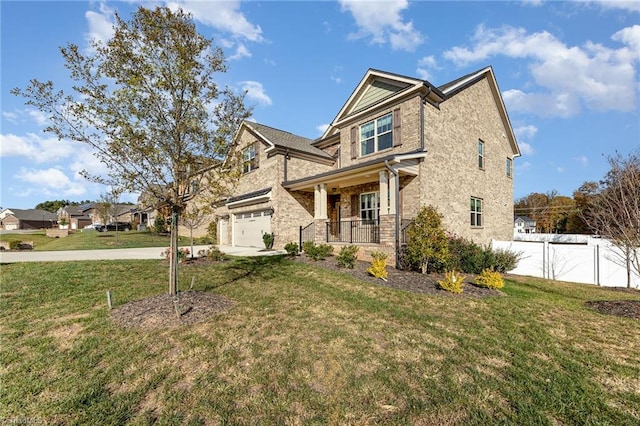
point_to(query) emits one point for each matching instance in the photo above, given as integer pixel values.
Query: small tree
(426, 239)
(614, 211)
(148, 103)
(192, 218)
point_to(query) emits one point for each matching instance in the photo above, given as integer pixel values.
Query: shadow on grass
(258, 268)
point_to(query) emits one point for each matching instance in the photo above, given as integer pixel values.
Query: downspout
(286, 164)
(396, 177)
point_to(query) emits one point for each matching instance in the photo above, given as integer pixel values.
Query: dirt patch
(159, 311)
(405, 280)
(619, 308)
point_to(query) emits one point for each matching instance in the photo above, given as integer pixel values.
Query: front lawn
(93, 240)
(300, 344)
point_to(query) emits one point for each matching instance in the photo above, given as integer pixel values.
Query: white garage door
(249, 228)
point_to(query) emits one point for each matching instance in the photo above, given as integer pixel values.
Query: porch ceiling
(405, 164)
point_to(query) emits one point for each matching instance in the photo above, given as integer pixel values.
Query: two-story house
(524, 225)
(397, 144)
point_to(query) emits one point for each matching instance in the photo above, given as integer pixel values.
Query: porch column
(323, 201)
(392, 195)
(384, 193)
(320, 201)
(316, 201)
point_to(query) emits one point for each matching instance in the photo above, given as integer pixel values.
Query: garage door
(249, 228)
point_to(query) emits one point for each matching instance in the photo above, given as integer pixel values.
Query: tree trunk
(173, 256)
(191, 237)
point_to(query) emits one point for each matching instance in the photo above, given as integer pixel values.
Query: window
(376, 135)
(369, 206)
(480, 154)
(509, 167)
(476, 212)
(249, 159)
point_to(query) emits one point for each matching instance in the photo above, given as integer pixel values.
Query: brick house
(13, 219)
(397, 144)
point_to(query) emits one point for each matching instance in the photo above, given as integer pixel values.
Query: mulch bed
(197, 306)
(405, 280)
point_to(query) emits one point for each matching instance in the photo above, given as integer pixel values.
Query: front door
(334, 214)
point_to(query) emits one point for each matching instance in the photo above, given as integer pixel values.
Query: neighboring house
(73, 217)
(12, 219)
(113, 213)
(524, 225)
(397, 144)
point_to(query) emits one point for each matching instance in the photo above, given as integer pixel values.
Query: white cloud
(222, 15)
(36, 148)
(321, 128)
(560, 169)
(383, 23)
(570, 77)
(631, 6)
(11, 116)
(525, 148)
(100, 23)
(524, 166)
(525, 133)
(256, 92)
(241, 52)
(425, 65)
(583, 160)
(50, 182)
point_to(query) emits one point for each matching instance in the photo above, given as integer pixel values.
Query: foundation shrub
(291, 249)
(348, 256)
(453, 282)
(506, 260)
(319, 251)
(378, 268)
(489, 279)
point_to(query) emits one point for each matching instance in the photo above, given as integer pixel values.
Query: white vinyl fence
(597, 262)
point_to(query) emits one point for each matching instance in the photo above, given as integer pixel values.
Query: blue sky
(568, 72)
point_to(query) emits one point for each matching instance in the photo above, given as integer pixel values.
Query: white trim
(253, 200)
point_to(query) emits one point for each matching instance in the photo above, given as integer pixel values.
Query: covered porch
(359, 204)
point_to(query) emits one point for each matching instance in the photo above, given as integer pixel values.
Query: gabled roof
(282, 140)
(34, 214)
(524, 219)
(378, 88)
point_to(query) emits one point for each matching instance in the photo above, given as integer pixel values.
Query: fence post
(598, 264)
(300, 238)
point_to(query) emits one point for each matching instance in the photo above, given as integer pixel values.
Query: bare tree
(614, 211)
(148, 104)
(192, 218)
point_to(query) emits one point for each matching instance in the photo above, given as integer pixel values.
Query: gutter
(396, 177)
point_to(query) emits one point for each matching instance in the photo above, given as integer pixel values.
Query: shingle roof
(283, 139)
(249, 195)
(34, 214)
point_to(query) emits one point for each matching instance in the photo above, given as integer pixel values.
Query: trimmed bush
(453, 282)
(378, 268)
(268, 239)
(160, 225)
(489, 279)
(427, 242)
(212, 232)
(291, 249)
(347, 257)
(505, 260)
(317, 252)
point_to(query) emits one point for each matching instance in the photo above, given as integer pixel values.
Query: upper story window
(480, 154)
(369, 206)
(476, 212)
(249, 159)
(376, 135)
(509, 167)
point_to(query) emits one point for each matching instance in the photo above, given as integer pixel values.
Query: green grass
(302, 345)
(92, 240)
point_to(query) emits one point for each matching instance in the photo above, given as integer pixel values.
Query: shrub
(268, 238)
(212, 232)
(378, 268)
(347, 257)
(291, 249)
(308, 245)
(453, 282)
(318, 252)
(160, 225)
(489, 279)
(183, 252)
(426, 240)
(505, 260)
(212, 253)
(14, 245)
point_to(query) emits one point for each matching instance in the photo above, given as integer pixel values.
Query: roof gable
(377, 88)
(285, 141)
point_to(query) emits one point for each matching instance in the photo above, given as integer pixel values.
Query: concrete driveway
(118, 254)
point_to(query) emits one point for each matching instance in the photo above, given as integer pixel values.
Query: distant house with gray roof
(14, 219)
